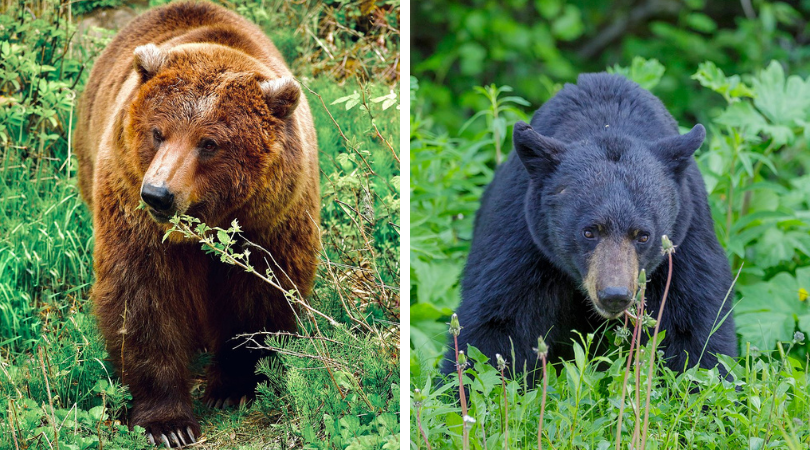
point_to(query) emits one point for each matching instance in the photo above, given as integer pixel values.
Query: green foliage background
(56, 389)
(481, 65)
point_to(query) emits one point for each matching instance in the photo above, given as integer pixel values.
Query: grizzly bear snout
(158, 197)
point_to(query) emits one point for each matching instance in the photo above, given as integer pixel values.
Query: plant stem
(505, 413)
(50, 398)
(755, 171)
(495, 137)
(637, 365)
(462, 395)
(542, 404)
(654, 351)
(636, 333)
(419, 424)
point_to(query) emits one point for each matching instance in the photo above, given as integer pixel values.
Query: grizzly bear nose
(157, 197)
(614, 299)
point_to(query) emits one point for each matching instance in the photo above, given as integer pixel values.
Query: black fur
(602, 151)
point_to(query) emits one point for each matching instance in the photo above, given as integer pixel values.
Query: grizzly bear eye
(157, 136)
(588, 233)
(643, 237)
(208, 145)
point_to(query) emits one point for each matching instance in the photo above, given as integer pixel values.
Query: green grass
(764, 405)
(56, 388)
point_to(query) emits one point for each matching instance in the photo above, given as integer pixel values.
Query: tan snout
(169, 181)
(612, 277)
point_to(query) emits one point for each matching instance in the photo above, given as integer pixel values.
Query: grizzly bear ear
(676, 151)
(282, 95)
(539, 154)
(149, 59)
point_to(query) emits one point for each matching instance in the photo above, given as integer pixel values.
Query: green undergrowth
(334, 385)
(763, 403)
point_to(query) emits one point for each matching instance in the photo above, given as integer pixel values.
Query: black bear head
(597, 208)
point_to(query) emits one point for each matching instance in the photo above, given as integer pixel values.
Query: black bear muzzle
(612, 276)
(614, 299)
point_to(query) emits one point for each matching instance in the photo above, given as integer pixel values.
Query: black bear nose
(614, 299)
(157, 197)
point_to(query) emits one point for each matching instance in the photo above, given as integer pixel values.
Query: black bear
(576, 212)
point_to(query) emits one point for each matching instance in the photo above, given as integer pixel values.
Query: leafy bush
(85, 6)
(756, 171)
(534, 46)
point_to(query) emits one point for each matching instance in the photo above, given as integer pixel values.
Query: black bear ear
(282, 95)
(676, 151)
(149, 59)
(539, 154)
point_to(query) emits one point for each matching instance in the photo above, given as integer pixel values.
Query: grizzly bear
(192, 110)
(576, 212)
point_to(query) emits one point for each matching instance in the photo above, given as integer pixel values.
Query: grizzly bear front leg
(149, 300)
(243, 304)
(232, 377)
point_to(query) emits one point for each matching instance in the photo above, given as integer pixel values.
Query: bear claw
(227, 402)
(173, 437)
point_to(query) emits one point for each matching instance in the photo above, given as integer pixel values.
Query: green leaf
(475, 355)
(548, 8)
(569, 25)
(742, 115)
(776, 247)
(701, 22)
(223, 237)
(471, 58)
(782, 101)
(437, 281)
(647, 73)
(97, 413)
(731, 88)
(769, 310)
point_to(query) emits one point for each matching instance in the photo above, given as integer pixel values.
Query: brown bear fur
(209, 111)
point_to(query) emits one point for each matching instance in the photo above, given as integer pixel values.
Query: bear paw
(172, 433)
(218, 396)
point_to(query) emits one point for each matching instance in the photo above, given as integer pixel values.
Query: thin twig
(340, 130)
(50, 397)
(295, 335)
(379, 135)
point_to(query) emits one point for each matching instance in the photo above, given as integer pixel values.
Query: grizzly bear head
(207, 127)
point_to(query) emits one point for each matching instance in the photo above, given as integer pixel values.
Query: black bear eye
(157, 136)
(208, 145)
(643, 237)
(588, 233)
